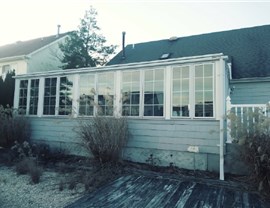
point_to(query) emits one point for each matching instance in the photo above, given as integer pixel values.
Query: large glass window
(23, 96)
(105, 89)
(34, 88)
(49, 96)
(65, 95)
(204, 90)
(180, 91)
(131, 93)
(153, 92)
(87, 93)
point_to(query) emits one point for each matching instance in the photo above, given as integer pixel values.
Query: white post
(40, 96)
(228, 107)
(75, 96)
(16, 94)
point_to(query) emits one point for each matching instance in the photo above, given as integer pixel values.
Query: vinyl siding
(162, 134)
(250, 93)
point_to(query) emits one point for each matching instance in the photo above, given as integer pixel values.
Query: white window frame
(192, 91)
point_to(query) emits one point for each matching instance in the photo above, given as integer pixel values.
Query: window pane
(158, 98)
(198, 84)
(105, 89)
(176, 85)
(185, 85)
(65, 95)
(87, 93)
(176, 72)
(149, 87)
(208, 70)
(180, 92)
(204, 89)
(131, 93)
(148, 110)
(34, 97)
(199, 71)
(49, 96)
(185, 72)
(158, 86)
(208, 83)
(159, 75)
(23, 96)
(154, 92)
(148, 75)
(148, 99)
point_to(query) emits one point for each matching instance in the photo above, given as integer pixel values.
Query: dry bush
(13, 127)
(104, 137)
(254, 141)
(29, 166)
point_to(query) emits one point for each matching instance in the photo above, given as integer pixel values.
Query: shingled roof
(248, 48)
(26, 47)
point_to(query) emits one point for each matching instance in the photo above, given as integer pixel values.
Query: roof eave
(250, 79)
(127, 66)
(14, 58)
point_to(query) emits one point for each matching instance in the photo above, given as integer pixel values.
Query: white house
(40, 54)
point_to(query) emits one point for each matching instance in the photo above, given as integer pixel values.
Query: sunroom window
(34, 88)
(180, 91)
(87, 94)
(65, 95)
(131, 93)
(204, 90)
(49, 96)
(105, 89)
(153, 92)
(23, 96)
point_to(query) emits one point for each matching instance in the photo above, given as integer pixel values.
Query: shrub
(254, 141)
(28, 166)
(22, 167)
(13, 127)
(104, 137)
(35, 173)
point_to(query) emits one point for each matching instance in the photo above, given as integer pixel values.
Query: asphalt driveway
(138, 191)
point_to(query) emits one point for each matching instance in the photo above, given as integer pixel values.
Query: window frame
(192, 90)
(140, 93)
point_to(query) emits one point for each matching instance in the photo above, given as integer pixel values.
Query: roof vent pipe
(123, 45)
(58, 31)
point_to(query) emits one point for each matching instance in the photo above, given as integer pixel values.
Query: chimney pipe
(58, 30)
(123, 45)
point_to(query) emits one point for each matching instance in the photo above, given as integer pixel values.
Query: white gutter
(191, 59)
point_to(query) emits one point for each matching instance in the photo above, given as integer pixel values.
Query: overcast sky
(141, 19)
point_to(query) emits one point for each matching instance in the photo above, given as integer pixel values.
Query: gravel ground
(18, 191)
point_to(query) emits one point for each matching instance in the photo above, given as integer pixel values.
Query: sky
(142, 20)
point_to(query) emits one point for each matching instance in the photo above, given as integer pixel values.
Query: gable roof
(248, 48)
(21, 48)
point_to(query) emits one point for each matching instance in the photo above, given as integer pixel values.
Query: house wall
(250, 92)
(47, 59)
(20, 66)
(167, 140)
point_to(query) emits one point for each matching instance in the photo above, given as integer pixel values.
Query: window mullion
(57, 96)
(192, 91)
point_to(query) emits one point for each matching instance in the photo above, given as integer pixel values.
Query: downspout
(221, 150)
(221, 122)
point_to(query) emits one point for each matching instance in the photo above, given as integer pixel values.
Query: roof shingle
(26, 47)
(249, 49)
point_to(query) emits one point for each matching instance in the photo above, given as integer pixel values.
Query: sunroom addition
(185, 88)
